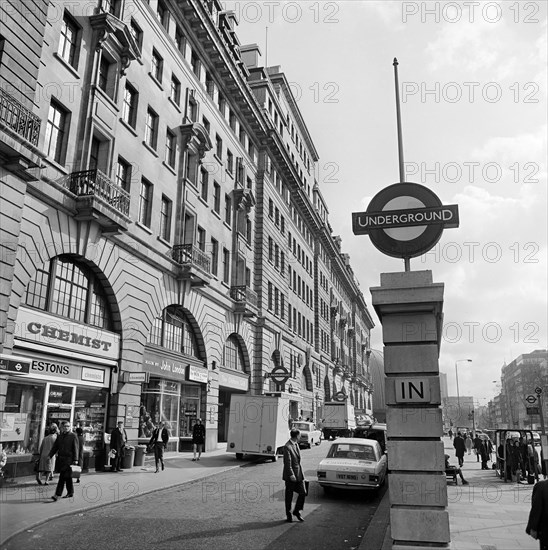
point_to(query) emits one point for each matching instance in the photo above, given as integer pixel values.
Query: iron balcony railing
(188, 253)
(95, 183)
(19, 118)
(244, 294)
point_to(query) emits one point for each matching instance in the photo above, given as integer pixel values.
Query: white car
(353, 464)
(310, 435)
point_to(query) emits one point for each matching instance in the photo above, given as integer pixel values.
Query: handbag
(76, 471)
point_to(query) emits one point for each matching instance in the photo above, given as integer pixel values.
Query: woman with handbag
(46, 465)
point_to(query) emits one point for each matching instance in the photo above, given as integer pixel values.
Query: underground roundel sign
(405, 220)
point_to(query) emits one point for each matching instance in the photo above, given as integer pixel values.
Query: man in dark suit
(537, 526)
(159, 439)
(460, 448)
(66, 447)
(118, 439)
(293, 476)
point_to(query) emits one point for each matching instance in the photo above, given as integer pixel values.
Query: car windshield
(303, 426)
(347, 450)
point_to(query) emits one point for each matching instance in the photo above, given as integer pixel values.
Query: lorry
(338, 419)
(258, 425)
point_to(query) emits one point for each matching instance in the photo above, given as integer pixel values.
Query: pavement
(487, 514)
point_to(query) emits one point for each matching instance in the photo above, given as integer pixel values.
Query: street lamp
(457, 375)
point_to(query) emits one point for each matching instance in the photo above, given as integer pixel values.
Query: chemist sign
(405, 220)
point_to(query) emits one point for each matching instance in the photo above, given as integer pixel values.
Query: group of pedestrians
(483, 448)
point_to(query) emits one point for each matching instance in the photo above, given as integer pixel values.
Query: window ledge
(67, 65)
(170, 168)
(128, 127)
(219, 160)
(175, 104)
(153, 151)
(227, 225)
(216, 214)
(163, 241)
(156, 81)
(142, 226)
(202, 200)
(106, 97)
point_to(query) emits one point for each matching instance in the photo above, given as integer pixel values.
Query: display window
(90, 411)
(159, 403)
(21, 418)
(59, 405)
(191, 405)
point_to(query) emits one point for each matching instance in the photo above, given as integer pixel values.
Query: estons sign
(405, 220)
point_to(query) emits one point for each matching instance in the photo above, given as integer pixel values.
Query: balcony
(99, 199)
(195, 264)
(246, 300)
(18, 118)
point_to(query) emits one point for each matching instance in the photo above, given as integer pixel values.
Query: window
(242, 136)
(226, 266)
(123, 174)
(229, 161)
(165, 218)
(228, 209)
(151, 128)
(218, 147)
(68, 41)
(162, 14)
(171, 147)
(192, 112)
(192, 167)
(232, 120)
(206, 124)
(56, 132)
(180, 40)
(248, 230)
(105, 79)
(129, 107)
(269, 295)
(145, 202)
(270, 208)
(157, 65)
(175, 93)
(221, 103)
(109, 6)
(201, 238)
(195, 64)
(270, 248)
(214, 257)
(210, 85)
(240, 170)
(233, 357)
(176, 332)
(136, 32)
(216, 197)
(70, 290)
(204, 177)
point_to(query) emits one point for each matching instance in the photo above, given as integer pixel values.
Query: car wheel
(319, 441)
(239, 456)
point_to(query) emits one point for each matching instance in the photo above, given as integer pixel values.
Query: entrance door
(60, 404)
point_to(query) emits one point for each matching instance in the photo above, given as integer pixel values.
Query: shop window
(174, 331)
(70, 290)
(191, 405)
(159, 403)
(90, 414)
(21, 418)
(233, 354)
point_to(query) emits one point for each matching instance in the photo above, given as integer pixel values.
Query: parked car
(353, 464)
(310, 435)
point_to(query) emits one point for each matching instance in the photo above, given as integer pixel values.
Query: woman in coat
(468, 443)
(46, 465)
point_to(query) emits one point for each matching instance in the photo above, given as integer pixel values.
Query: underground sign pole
(405, 220)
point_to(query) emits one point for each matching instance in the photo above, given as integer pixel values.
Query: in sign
(412, 390)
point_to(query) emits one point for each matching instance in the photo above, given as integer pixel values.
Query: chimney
(250, 55)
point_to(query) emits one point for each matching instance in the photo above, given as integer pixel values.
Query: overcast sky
(473, 97)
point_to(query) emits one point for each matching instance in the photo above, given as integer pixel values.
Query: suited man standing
(118, 439)
(159, 439)
(460, 448)
(293, 476)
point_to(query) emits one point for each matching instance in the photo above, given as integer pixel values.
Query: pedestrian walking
(477, 446)
(460, 448)
(484, 452)
(66, 448)
(80, 435)
(293, 476)
(468, 443)
(159, 439)
(450, 434)
(118, 440)
(46, 465)
(198, 438)
(537, 526)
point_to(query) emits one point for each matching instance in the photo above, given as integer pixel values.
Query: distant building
(376, 368)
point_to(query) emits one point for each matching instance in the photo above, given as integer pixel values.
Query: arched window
(174, 331)
(70, 289)
(306, 380)
(233, 354)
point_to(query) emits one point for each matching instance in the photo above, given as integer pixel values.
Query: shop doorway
(59, 405)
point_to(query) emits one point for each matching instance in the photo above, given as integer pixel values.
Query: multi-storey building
(165, 242)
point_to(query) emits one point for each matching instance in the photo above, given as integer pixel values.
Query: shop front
(175, 394)
(230, 382)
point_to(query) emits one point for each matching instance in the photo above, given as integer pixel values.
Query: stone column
(409, 306)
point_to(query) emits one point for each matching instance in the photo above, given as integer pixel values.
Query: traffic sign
(17, 365)
(280, 375)
(405, 220)
(531, 399)
(538, 390)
